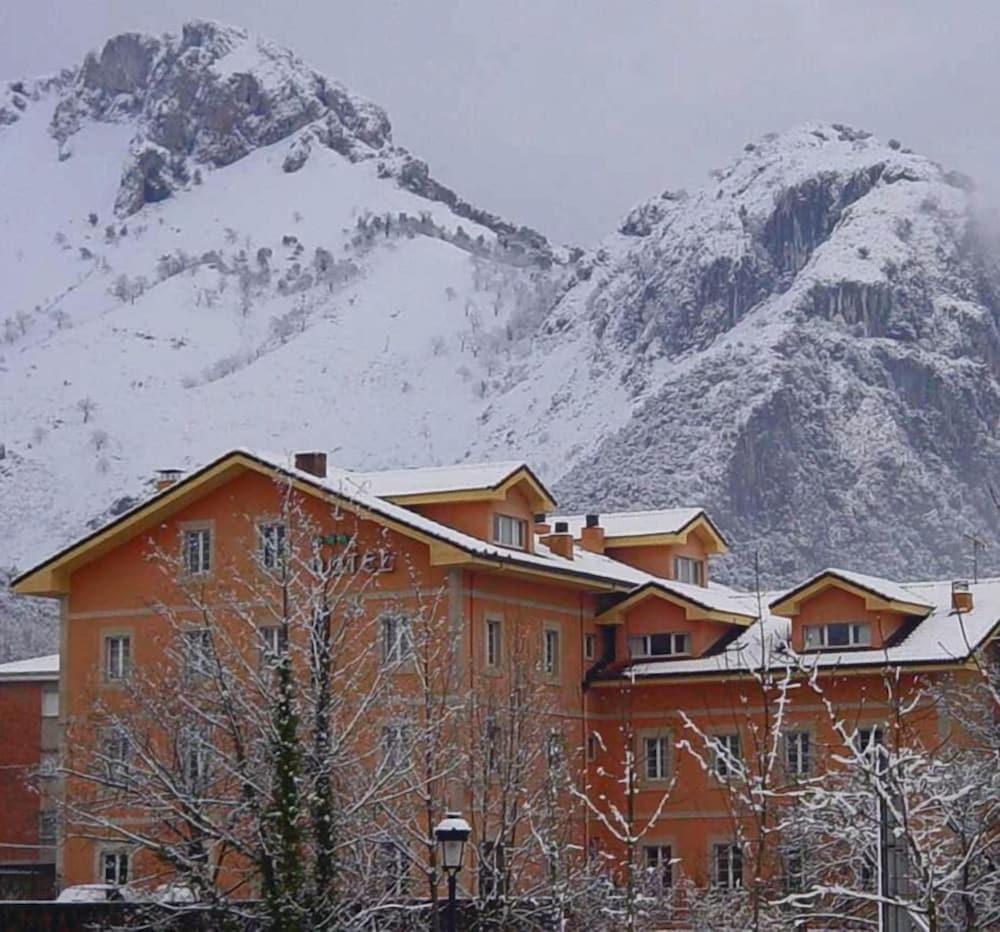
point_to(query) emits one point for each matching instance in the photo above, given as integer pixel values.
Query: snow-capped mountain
(207, 244)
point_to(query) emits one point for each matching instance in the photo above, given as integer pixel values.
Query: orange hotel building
(627, 621)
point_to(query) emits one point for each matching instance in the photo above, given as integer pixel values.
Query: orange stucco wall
(659, 558)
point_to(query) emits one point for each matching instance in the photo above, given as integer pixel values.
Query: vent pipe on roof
(961, 596)
(592, 535)
(167, 477)
(560, 542)
(314, 463)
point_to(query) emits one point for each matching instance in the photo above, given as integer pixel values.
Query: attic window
(509, 531)
(690, 571)
(659, 645)
(839, 634)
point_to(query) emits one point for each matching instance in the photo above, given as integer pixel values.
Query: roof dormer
(673, 543)
(838, 610)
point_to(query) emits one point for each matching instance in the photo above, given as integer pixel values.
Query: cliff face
(809, 347)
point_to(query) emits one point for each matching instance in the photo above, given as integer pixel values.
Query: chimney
(961, 596)
(541, 525)
(592, 535)
(561, 541)
(314, 463)
(167, 477)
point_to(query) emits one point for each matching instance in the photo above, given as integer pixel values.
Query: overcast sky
(564, 114)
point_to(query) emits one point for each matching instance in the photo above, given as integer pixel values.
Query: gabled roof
(638, 528)
(699, 603)
(878, 593)
(461, 482)
(448, 546)
(41, 669)
(942, 639)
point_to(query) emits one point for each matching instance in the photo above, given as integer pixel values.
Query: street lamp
(451, 833)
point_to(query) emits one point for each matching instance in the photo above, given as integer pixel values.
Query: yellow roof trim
(692, 610)
(698, 523)
(539, 497)
(790, 606)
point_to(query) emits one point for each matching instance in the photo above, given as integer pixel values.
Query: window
(726, 752)
(48, 827)
(550, 652)
(395, 753)
(273, 643)
(659, 863)
(394, 867)
(117, 656)
(798, 753)
(492, 870)
(397, 639)
(689, 571)
(115, 754)
(659, 645)
(727, 866)
(197, 644)
(840, 634)
(509, 531)
(555, 750)
(48, 764)
(656, 752)
(50, 703)
(589, 646)
(795, 870)
(114, 867)
(271, 545)
(868, 744)
(593, 745)
(197, 551)
(193, 753)
(494, 643)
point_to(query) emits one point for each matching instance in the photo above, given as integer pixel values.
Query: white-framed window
(794, 864)
(394, 745)
(197, 550)
(195, 759)
(688, 570)
(725, 754)
(494, 642)
(48, 827)
(114, 867)
(397, 638)
(798, 753)
(839, 634)
(197, 645)
(589, 646)
(492, 869)
(48, 764)
(50, 703)
(273, 642)
(271, 545)
(115, 748)
(727, 866)
(509, 531)
(659, 645)
(117, 656)
(394, 865)
(659, 863)
(550, 652)
(656, 757)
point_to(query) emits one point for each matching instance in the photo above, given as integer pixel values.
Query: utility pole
(977, 544)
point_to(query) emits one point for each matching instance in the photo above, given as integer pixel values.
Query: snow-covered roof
(942, 636)
(392, 483)
(635, 523)
(33, 668)
(884, 588)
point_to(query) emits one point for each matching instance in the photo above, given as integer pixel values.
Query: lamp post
(451, 834)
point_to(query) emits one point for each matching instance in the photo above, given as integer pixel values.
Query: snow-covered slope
(808, 346)
(206, 244)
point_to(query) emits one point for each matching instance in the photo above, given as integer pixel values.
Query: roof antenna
(977, 544)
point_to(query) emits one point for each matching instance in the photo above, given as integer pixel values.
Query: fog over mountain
(209, 243)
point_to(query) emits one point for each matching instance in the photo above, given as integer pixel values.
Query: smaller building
(29, 765)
